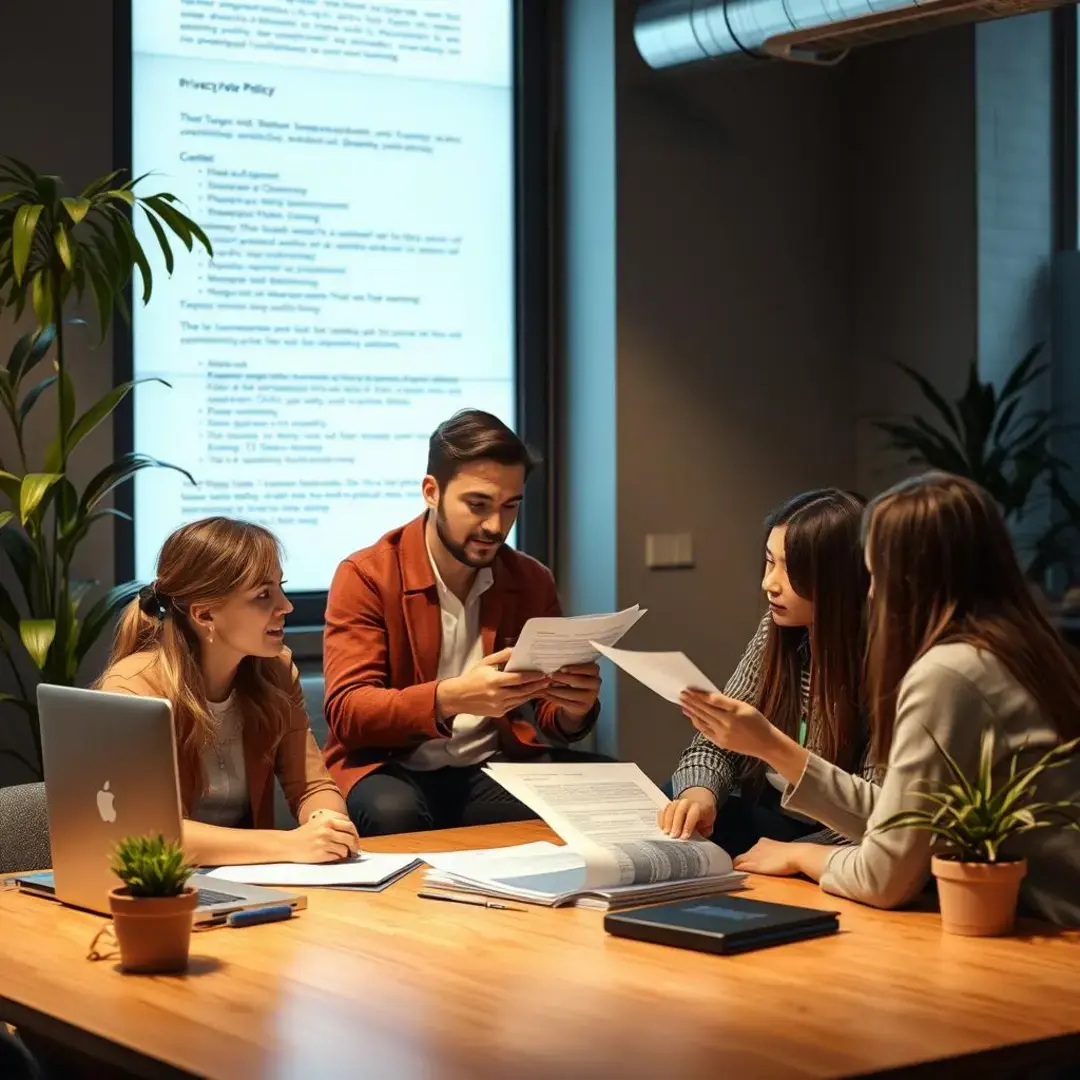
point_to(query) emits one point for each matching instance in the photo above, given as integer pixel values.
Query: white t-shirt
(227, 800)
(474, 738)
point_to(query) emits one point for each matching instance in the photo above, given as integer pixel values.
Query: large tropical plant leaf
(23, 559)
(77, 529)
(29, 351)
(101, 615)
(11, 486)
(30, 399)
(934, 396)
(121, 470)
(22, 237)
(34, 488)
(1024, 373)
(8, 611)
(988, 436)
(37, 637)
(102, 409)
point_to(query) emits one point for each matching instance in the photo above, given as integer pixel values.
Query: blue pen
(253, 916)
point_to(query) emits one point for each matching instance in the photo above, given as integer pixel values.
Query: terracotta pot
(978, 899)
(154, 932)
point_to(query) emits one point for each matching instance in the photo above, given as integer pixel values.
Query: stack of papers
(363, 873)
(544, 873)
(548, 644)
(615, 854)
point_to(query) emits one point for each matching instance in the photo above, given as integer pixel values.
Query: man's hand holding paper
(574, 689)
(486, 690)
(553, 644)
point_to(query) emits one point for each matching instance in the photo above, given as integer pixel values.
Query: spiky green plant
(971, 820)
(984, 435)
(151, 866)
(55, 250)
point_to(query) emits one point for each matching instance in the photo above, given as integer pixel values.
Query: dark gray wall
(783, 232)
(734, 365)
(911, 226)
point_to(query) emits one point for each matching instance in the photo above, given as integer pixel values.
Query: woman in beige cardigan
(209, 637)
(956, 642)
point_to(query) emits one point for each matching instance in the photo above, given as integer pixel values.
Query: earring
(210, 637)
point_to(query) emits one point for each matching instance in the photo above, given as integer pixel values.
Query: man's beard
(458, 550)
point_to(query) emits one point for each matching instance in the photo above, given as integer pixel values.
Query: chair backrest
(16, 1062)
(314, 687)
(24, 829)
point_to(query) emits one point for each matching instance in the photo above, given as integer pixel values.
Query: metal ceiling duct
(673, 32)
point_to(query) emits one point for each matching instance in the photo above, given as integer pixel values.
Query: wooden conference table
(388, 985)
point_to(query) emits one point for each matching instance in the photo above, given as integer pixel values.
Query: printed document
(365, 869)
(548, 644)
(606, 812)
(544, 873)
(665, 673)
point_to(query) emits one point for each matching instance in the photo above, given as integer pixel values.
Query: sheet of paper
(598, 801)
(511, 862)
(547, 644)
(606, 811)
(365, 869)
(665, 673)
(473, 860)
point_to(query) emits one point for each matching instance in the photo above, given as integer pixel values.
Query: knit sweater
(704, 764)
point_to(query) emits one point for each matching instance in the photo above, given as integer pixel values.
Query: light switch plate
(669, 551)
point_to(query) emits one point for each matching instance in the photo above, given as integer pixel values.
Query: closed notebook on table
(721, 924)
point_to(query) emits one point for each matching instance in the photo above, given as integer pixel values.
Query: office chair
(24, 829)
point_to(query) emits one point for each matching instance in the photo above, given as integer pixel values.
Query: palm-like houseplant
(972, 821)
(54, 251)
(986, 435)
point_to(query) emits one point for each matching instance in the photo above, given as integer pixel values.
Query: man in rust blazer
(417, 629)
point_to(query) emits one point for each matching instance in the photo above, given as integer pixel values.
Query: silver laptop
(110, 772)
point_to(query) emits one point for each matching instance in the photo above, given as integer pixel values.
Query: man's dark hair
(473, 435)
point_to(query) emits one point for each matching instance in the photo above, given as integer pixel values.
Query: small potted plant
(153, 910)
(972, 822)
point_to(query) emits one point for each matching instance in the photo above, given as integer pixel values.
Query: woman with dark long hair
(956, 644)
(802, 669)
(208, 636)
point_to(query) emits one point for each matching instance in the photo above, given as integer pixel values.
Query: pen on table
(474, 901)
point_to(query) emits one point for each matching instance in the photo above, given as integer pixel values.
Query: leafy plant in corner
(985, 435)
(54, 251)
(151, 866)
(970, 820)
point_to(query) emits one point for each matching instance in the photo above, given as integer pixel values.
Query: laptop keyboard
(208, 897)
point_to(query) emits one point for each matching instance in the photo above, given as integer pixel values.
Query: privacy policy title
(227, 87)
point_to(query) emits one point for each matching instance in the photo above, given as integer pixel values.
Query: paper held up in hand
(665, 673)
(550, 643)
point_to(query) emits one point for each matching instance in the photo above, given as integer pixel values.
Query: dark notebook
(721, 924)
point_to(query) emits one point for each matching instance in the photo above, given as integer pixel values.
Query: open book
(615, 855)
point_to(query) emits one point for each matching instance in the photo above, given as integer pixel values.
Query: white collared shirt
(474, 738)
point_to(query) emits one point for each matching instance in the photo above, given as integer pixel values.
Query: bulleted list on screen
(353, 166)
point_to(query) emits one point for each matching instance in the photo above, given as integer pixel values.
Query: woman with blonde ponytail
(208, 636)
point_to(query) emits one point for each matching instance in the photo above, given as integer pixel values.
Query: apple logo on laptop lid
(105, 804)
